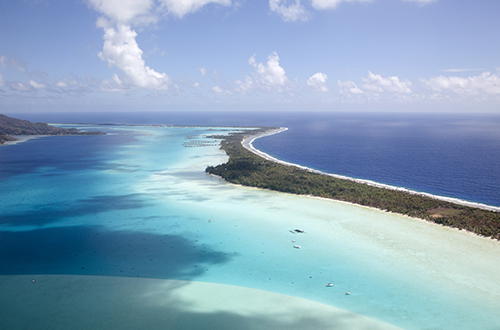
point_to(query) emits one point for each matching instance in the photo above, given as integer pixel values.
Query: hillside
(12, 126)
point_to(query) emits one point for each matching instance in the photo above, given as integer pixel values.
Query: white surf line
(248, 144)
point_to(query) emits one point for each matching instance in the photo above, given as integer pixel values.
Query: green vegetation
(11, 126)
(248, 169)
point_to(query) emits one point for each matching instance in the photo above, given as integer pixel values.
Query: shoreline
(247, 143)
(22, 138)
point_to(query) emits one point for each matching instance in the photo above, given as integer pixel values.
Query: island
(9, 127)
(249, 169)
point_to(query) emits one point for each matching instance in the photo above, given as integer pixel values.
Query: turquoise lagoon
(126, 230)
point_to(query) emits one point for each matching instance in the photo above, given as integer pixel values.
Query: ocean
(126, 230)
(450, 155)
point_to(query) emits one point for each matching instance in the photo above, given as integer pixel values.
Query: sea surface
(80, 214)
(450, 155)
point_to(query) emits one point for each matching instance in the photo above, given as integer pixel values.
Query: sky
(250, 55)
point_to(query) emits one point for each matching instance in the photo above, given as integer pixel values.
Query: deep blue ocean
(452, 155)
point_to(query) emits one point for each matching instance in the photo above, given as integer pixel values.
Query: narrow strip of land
(253, 168)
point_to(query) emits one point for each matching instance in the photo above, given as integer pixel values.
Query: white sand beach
(248, 144)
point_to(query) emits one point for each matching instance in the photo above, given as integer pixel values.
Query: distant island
(12, 126)
(248, 169)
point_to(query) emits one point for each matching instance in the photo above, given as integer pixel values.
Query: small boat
(297, 246)
(300, 231)
(348, 292)
(210, 220)
(330, 284)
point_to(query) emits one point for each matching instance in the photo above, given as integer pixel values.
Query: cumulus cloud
(485, 83)
(378, 84)
(124, 11)
(2, 82)
(122, 51)
(331, 4)
(348, 87)
(120, 48)
(268, 76)
(290, 11)
(203, 71)
(318, 82)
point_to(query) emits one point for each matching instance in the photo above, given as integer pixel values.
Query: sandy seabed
(95, 302)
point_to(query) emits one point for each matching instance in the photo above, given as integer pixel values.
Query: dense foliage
(11, 126)
(246, 168)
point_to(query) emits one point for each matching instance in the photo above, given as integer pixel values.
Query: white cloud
(290, 12)
(120, 47)
(2, 82)
(331, 4)
(36, 85)
(485, 83)
(122, 51)
(378, 84)
(203, 71)
(123, 11)
(182, 7)
(348, 87)
(269, 76)
(318, 82)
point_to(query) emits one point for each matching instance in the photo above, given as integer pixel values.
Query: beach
(248, 144)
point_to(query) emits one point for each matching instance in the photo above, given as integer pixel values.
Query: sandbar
(105, 302)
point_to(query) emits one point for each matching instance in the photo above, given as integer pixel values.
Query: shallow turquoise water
(138, 203)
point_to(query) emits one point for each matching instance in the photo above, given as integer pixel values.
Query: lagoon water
(113, 231)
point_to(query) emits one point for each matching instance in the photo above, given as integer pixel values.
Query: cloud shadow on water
(91, 302)
(50, 213)
(93, 250)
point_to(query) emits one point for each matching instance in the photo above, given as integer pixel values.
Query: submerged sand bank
(248, 144)
(92, 302)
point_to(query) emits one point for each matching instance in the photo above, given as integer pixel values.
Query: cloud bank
(485, 83)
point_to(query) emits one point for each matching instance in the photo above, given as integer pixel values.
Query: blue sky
(246, 55)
